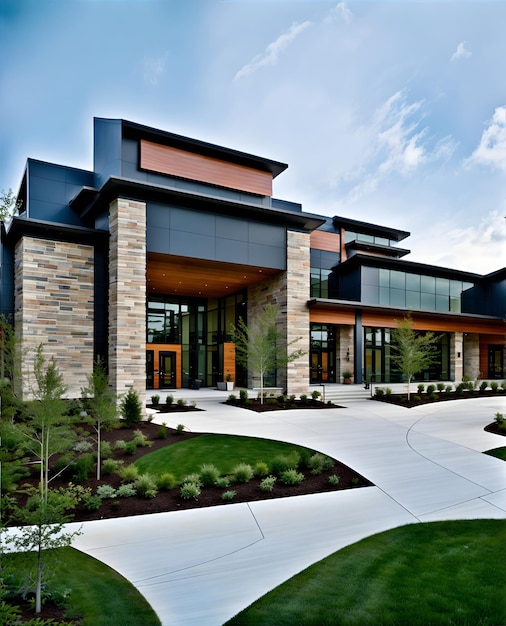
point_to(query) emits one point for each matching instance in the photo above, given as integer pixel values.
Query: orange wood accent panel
(344, 255)
(441, 324)
(331, 317)
(229, 360)
(175, 162)
(166, 347)
(325, 241)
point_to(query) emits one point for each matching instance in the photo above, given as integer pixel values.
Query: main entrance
(495, 361)
(323, 354)
(167, 370)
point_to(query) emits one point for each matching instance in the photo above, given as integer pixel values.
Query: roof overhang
(88, 201)
(370, 229)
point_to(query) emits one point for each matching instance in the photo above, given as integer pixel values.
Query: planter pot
(221, 386)
(229, 385)
(347, 381)
(196, 384)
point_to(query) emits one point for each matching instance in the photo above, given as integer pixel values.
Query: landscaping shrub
(440, 387)
(179, 429)
(503, 385)
(120, 445)
(483, 385)
(130, 447)
(209, 474)
(140, 439)
(126, 491)
(129, 473)
(166, 481)
(334, 480)
(417, 398)
(379, 392)
(192, 478)
(420, 388)
(388, 391)
(131, 409)
(81, 468)
(232, 398)
(460, 388)
(291, 477)
(494, 385)
(243, 395)
(92, 503)
(111, 466)
(261, 469)
(169, 400)
(190, 491)
(431, 389)
(267, 484)
(162, 432)
(106, 492)
(319, 462)
(433, 396)
(500, 421)
(145, 485)
(228, 495)
(283, 462)
(242, 473)
(315, 394)
(105, 450)
(155, 400)
(303, 398)
(448, 389)
(181, 402)
(222, 482)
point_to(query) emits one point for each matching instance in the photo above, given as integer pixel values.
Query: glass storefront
(200, 327)
(378, 364)
(323, 354)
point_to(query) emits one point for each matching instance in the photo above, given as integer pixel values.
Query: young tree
(47, 427)
(412, 351)
(9, 365)
(43, 528)
(261, 348)
(100, 403)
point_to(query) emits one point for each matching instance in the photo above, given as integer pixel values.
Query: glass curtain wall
(200, 327)
(378, 364)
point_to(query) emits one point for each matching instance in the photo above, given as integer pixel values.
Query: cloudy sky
(392, 112)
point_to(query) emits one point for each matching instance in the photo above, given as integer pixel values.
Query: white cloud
(273, 50)
(492, 148)
(461, 52)
(154, 68)
(340, 11)
(479, 248)
(398, 143)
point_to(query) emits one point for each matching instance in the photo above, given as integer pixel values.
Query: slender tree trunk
(99, 461)
(38, 589)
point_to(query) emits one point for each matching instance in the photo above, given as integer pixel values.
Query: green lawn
(99, 595)
(499, 453)
(441, 573)
(224, 451)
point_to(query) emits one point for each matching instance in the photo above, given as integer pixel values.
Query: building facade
(151, 258)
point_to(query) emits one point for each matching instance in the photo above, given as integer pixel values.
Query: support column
(456, 356)
(471, 355)
(127, 296)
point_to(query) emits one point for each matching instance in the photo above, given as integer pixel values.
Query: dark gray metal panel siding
(107, 150)
(6, 281)
(185, 232)
(51, 188)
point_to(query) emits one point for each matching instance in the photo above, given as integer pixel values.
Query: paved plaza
(200, 567)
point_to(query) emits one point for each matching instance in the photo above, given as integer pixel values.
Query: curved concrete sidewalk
(201, 567)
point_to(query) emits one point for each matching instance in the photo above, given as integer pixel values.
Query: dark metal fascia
(141, 191)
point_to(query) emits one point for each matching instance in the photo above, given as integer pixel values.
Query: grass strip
(439, 573)
(98, 594)
(499, 453)
(224, 451)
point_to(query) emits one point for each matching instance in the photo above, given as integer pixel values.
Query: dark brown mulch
(254, 404)
(494, 428)
(425, 398)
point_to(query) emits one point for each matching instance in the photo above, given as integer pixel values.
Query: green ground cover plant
(223, 451)
(99, 595)
(499, 453)
(439, 573)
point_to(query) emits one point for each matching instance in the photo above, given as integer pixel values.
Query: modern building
(149, 259)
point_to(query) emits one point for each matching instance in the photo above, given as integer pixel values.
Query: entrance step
(339, 394)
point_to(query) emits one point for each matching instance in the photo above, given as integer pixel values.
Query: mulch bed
(254, 404)
(425, 398)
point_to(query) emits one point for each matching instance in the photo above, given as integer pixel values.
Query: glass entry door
(167, 370)
(320, 367)
(373, 365)
(495, 362)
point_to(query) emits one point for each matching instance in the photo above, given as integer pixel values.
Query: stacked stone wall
(127, 296)
(471, 355)
(54, 306)
(289, 291)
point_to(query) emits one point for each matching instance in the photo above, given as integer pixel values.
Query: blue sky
(392, 112)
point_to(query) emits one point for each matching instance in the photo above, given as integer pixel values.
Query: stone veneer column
(471, 355)
(54, 306)
(127, 296)
(290, 292)
(456, 358)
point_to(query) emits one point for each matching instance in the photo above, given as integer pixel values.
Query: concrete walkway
(201, 567)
